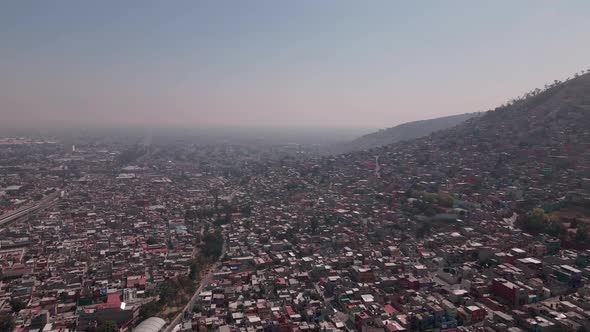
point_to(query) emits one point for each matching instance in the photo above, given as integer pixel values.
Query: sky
(279, 64)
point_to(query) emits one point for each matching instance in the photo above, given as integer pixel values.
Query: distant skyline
(283, 64)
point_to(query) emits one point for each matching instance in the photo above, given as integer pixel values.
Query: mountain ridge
(405, 131)
(529, 158)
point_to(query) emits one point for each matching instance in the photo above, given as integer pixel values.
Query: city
(294, 166)
(407, 237)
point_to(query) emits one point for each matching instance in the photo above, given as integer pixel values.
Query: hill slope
(405, 131)
(532, 153)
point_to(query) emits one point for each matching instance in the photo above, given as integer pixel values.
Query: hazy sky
(278, 63)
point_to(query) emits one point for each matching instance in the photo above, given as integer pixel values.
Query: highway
(42, 204)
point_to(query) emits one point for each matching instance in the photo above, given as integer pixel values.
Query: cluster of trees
(6, 322)
(314, 224)
(246, 210)
(152, 240)
(150, 310)
(200, 213)
(427, 203)
(441, 199)
(170, 293)
(221, 210)
(223, 219)
(171, 289)
(108, 326)
(582, 231)
(17, 305)
(196, 266)
(535, 92)
(4, 202)
(424, 228)
(540, 222)
(212, 245)
(290, 235)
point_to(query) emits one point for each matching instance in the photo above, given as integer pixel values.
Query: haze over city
(294, 166)
(281, 64)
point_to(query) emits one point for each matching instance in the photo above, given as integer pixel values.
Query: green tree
(247, 210)
(555, 228)
(149, 310)
(168, 292)
(212, 245)
(190, 214)
(108, 326)
(195, 268)
(314, 224)
(227, 219)
(539, 215)
(446, 200)
(423, 229)
(6, 322)
(17, 305)
(536, 222)
(291, 236)
(582, 234)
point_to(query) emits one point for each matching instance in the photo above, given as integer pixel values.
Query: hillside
(405, 131)
(533, 153)
(549, 131)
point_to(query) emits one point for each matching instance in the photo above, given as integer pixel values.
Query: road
(42, 204)
(189, 306)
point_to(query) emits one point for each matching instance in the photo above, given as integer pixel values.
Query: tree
(149, 310)
(168, 292)
(582, 234)
(195, 268)
(108, 326)
(539, 215)
(423, 229)
(190, 215)
(247, 210)
(212, 245)
(227, 218)
(555, 228)
(535, 222)
(290, 235)
(6, 322)
(314, 225)
(445, 200)
(17, 305)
